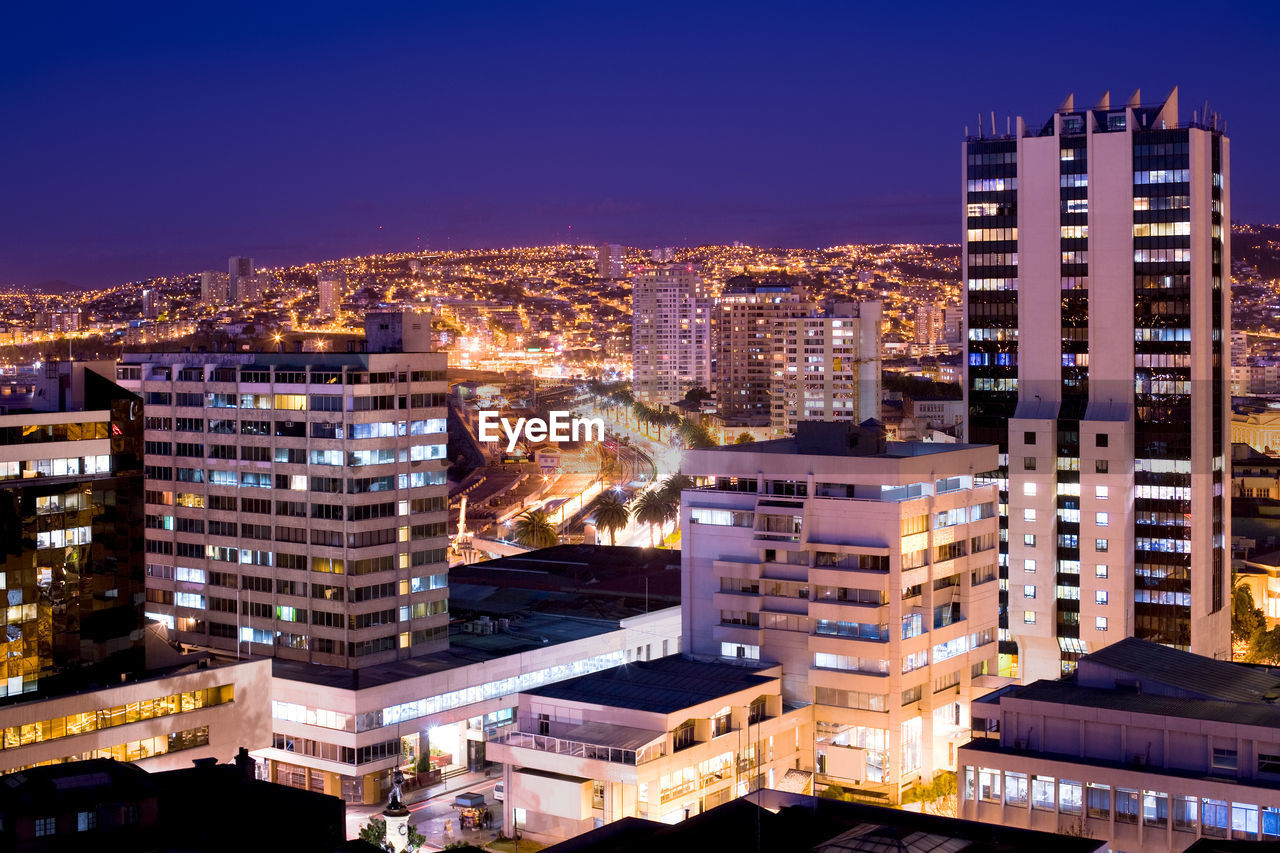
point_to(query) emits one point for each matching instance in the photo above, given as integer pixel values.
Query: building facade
(1147, 747)
(331, 288)
(296, 503)
(746, 320)
(664, 740)
(868, 570)
(671, 334)
(70, 511)
(827, 368)
(609, 261)
(346, 737)
(1101, 240)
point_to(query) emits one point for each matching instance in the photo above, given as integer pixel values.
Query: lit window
(1029, 539)
(86, 821)
(1102, 519)
(1100, 623)
(1028, 515)
(1100, 544)
(1028, 591)
(1029, 617)
(1029, 489)
(46, 825)
(1100, 570)
(1100, 492)
(1029, 565)
(1100, 596)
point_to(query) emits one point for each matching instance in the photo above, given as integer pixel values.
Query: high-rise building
(151, 303)
(71, 512)
(671, 334)
(331, 287)
(296, 503)
(244, 284)
(746, 321)
(609, 261)
(827, 368)
(868, 570)
(1095, 262)
(214, 287)
(930, 328)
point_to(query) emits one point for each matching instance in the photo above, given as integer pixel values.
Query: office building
(664, 739)
(868, 570)
(331, 288)
(826, 368)
(790, 821)
(609, 261)
(1144, 746)
(163, 719)
(71, 508)
(1107, 391)
(345, 731)
(295, 503)
(745, 324)
(671, 334)
(214, 288)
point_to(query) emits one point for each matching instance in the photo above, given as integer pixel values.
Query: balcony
(597, 741)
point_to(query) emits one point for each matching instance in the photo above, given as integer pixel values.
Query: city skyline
(300, 137)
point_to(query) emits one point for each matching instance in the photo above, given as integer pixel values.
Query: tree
(610, 462)
(939, 797)
(534, 529)
(743, 438)
(1264, 646)
(1246, 619)
(611, 514)
(649, 509)
(375, 832)
(697, 394)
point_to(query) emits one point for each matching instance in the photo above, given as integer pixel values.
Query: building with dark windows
(1100, 239)
(70, 520)
(295, 503)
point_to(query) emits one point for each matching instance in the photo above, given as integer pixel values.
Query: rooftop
(788, 822)
(664, 686)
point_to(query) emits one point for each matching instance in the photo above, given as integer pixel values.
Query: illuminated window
(1029, 489)
(1029, 617)
(1100, 623)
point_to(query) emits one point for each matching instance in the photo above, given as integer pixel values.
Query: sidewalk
(423, 803)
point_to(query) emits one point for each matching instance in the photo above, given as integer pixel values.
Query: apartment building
(671, 333)
(826, 367)
(295, 503)
(664, 739)
(867, 569)
(1106, 393)
(746, 316)
(1145, 746)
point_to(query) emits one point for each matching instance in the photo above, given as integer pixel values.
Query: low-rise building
(663, 739)
(1145, 746)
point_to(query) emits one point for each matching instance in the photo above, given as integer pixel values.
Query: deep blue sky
(153, 139)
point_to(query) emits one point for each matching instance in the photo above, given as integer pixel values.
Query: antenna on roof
(993, 123)
(1008, 126)
(979, 125)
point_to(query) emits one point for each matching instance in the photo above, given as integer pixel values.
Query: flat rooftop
(893, 449)
(664, 686)
(527, 632)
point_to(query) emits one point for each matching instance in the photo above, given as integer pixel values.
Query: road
(430, 816)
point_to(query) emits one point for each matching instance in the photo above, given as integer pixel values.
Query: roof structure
(664, 686)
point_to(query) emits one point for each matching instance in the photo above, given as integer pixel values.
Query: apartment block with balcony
(664, 739)
(867, 569)
(1148, 747)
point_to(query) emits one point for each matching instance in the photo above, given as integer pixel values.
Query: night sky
(155, 139)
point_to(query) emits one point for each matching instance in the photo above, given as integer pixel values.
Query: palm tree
(644, 415)
(649, 509)
(671, 489)
(611, 514)
(610, 464)
(533, 529)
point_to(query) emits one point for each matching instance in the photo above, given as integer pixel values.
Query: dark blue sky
(153, 139)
